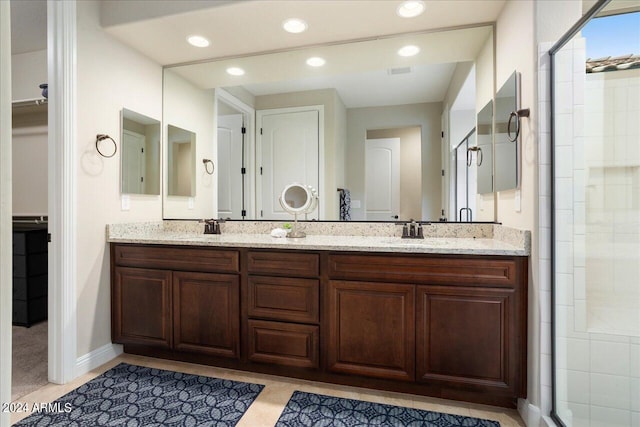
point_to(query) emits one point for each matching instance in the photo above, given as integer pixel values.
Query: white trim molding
(96, 358)
(62, 79)
(6, 245)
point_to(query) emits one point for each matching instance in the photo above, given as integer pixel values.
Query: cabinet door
(372, 329)
(467, 336)
(141, 307)
(207, 313)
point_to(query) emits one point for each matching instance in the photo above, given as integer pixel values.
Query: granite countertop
(432, 245)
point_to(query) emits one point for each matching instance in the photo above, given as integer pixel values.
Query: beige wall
(29, 170)
(29, 136)
(333, 134)
(515, 50)
(426, 116)
(103, 89)
(410, 168)
(28, 71)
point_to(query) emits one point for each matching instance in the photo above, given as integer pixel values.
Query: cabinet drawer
(280, 298)
(423, 269)
(283, 343)
(188, 259)
(285, 264)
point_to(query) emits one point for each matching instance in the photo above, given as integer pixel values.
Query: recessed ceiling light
(409, 50)
(294, 25)
(316, 61)
(410, 9)
(198, 41)
(235, 71)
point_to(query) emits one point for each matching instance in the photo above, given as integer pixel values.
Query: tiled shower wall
(596, 185)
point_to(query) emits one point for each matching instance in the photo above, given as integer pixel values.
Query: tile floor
(266, 410)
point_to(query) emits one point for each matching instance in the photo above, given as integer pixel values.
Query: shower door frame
(567, 37)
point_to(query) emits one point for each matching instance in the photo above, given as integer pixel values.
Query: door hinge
(442, 133)
(243, 213)
(142, 179)
(243, 171)
(260, 170)
(261, 213)
(442, 212)
(49, 237)
(142, 150)
(260, 131)
(244, 130)
(442, 172)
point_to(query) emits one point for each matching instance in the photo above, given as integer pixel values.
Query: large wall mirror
(318, 115)
(140, 156)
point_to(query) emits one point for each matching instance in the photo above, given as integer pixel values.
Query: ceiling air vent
(399, 70)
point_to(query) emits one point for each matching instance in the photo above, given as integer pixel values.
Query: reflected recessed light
(409, 50)
(198, 41)
(316, 61)
(410, 9)
(294, 25)
(235, 71)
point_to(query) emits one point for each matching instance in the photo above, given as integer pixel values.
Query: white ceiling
(240, 29)
(247, 26)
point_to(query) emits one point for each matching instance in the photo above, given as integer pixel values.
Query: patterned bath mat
(307, 409)
(132, 396)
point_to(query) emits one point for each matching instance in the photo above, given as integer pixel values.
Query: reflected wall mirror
(181, 146)
(364, 86)
(506, 150)
(484, 156)
(140, 154)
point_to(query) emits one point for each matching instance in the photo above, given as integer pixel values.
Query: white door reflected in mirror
(298, 199)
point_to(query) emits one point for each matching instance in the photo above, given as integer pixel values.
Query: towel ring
(102, 137)
(517, 114)
(206, 166)
(479, 157)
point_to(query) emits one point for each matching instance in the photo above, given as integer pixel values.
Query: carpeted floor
(29, 358)
(138, 396)
(310, 409)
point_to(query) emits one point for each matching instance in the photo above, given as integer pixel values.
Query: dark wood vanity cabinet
(164, 307)
(466, 336)
(450, 326)
(371, 329)
(141, 309)
(283, 308)
(206, 310)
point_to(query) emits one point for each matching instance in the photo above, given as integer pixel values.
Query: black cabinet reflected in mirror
(507, 102)
(140, 157)
(181, 159)
(484, 153)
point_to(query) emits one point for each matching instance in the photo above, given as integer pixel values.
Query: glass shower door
(597, 229)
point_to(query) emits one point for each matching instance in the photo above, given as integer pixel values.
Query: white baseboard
(97, 357)
(530, 413)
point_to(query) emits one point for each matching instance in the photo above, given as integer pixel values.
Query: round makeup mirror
(298, 199)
